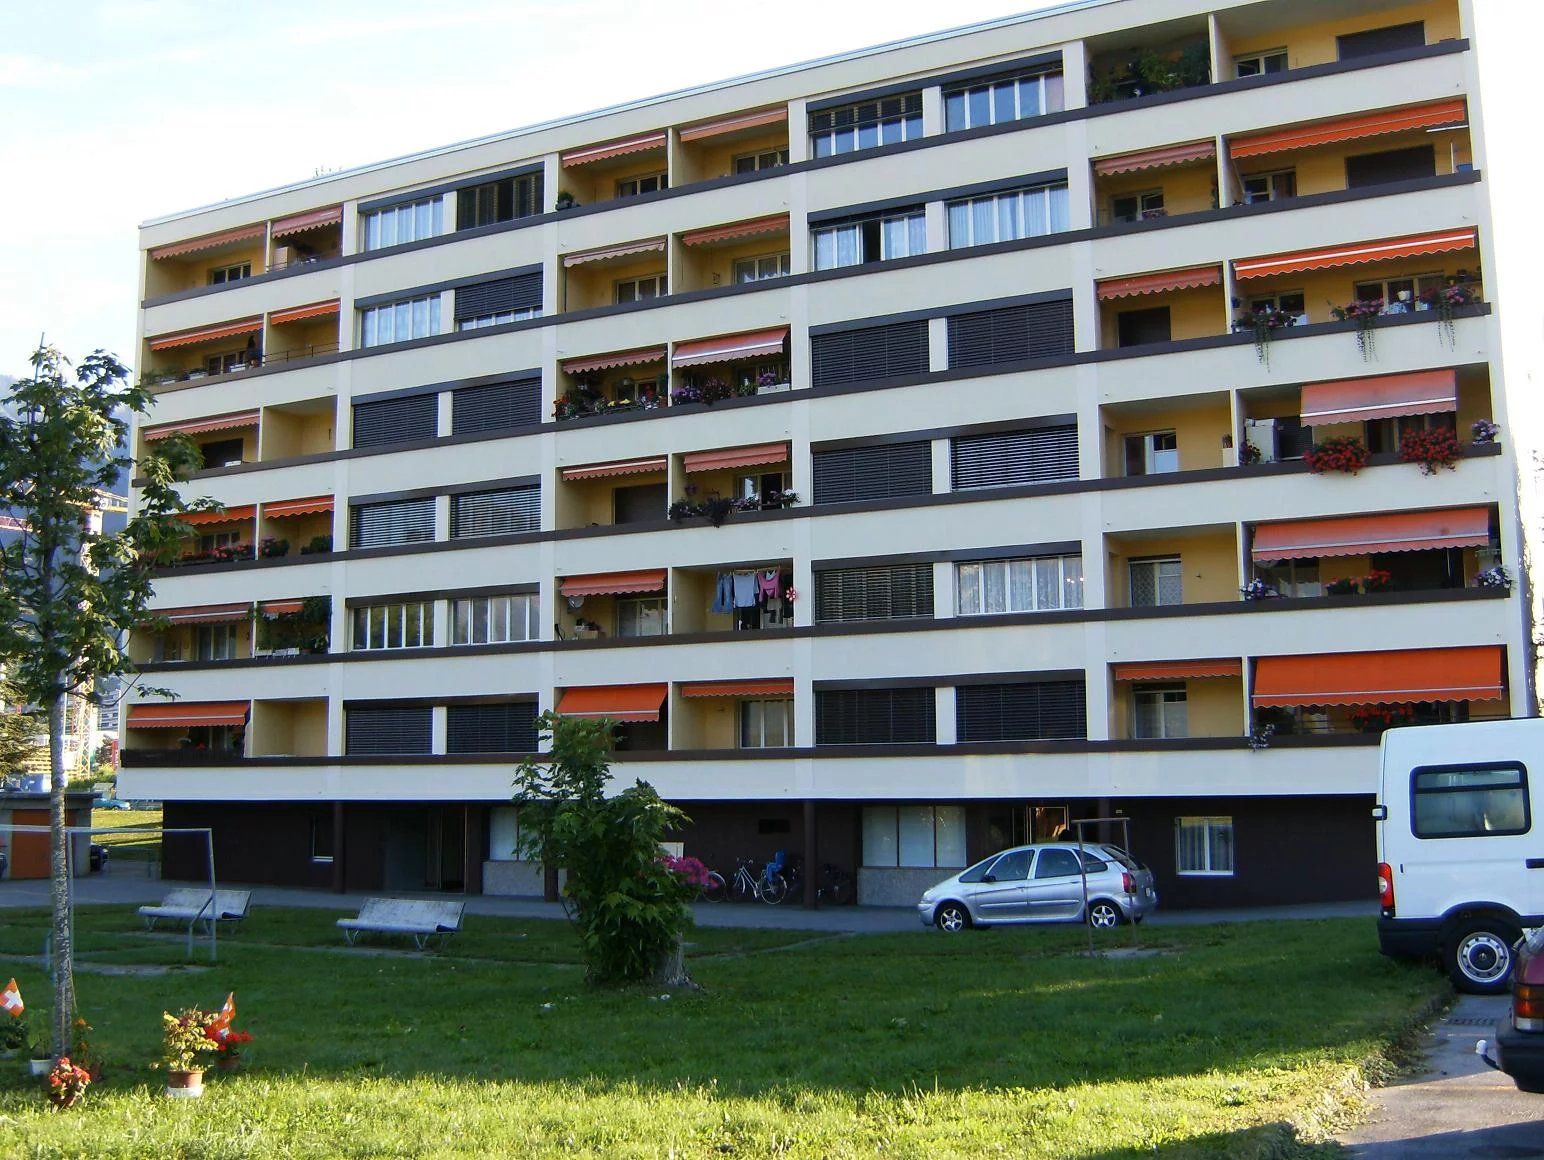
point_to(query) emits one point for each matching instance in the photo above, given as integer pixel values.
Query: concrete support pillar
(811, 854)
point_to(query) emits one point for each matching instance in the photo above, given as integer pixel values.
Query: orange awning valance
(624, 358)
(187, 714)
(642, 144)
(1358, 253)
(207, 334)
(727, 348)
(619, 467)
(1351, 128)
(1162, 158)
(735, 124)
(770, 687)
(311, 220)
(200, 426)
(612, 583)
(1379, 397)
(774, 224)
(297, 313)
(696, 461)
(611, 253)
(619, 702)
(1136, 284)
(225, 516)
(281, 607)
(1376, 678)
(1176, 670)
(205, 614)
(207, 242)
(283, 508)
(1364, 535)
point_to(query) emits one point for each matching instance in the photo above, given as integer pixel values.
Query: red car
(1518, 1049)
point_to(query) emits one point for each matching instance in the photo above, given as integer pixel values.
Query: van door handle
(1534, 863)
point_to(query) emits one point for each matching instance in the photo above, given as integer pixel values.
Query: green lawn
(1233, 1041)
(129, 847)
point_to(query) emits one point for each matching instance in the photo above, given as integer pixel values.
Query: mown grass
(1010, 1042)
(144, 847)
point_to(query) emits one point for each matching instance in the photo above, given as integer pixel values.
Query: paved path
(1457, 1107)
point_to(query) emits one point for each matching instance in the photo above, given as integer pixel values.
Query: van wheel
(1478, 956)
(952, 918)
(1103, 915)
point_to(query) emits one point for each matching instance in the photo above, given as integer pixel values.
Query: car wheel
(1479, 956)
(951, 918)
(1103, 915)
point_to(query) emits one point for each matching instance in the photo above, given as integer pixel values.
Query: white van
(1461, 845)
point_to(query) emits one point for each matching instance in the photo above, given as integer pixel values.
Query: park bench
(190, 906)
(420, 920)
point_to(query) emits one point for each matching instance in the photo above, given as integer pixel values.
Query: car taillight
(1528, 1006)
(1385, 886)
(1126, 884)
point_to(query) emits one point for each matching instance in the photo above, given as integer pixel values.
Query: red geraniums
(1347, 454)
(67, 1083)
(1431, 449)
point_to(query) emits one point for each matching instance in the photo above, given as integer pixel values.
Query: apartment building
(915, 451)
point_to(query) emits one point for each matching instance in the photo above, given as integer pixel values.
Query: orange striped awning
(754, 228)
(624, 358)
(207, 242)
(187, 714)
(1363, 535)
(617, 467)
(1379, 397)
(311, 220)
(735, 124)
(1358, 253)
(619, 702)
(612, 253)
(769, 687)
(204, 614)
(612, 583)
(1398, 676)
(1352, 128)
(645, 143)
(281, 607)
(224, 516)
(284, 508)
(729, 347)
(1165, 157)
(207, 334)
(298, 313)
(1130, 287)
(201, 426)
(762, 453)
(1176, 670)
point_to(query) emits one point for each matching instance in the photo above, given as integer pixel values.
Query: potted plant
(67, 1083)
(316, 545)
(1377, 581)
(39, 1060)
(271, 548)
(1446, 300)
(1264, 323)
(184, 1037)
(565, 200)
(1344, 453)
(1484, 431)
(1364, 312)
(1432, 449)
(1258, 590)
(15, 1035)
(1496, 577)
(1341, 586)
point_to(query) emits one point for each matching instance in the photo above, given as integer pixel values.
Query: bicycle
(836, 886)
(713, 888)
(769, 886)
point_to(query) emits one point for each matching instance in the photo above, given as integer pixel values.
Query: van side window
(1469, 801)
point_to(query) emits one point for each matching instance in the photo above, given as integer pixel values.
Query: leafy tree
(629, 907)
(68, 593)
(18, 729)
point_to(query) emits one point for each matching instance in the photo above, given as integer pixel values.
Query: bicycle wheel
(774, 889)
(742, 888)
(714, 889)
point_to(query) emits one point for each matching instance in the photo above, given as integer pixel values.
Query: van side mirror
(989, 878)
(1380, 813)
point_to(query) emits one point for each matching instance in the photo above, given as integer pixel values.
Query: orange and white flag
(227, 1013)
(10, 1000)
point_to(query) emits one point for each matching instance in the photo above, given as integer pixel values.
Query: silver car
(1043, 883)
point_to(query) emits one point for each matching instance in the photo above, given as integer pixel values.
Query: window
(640, 503)
(866, 125)
(223, 364)
(499, 201)
(1203, 846)
(214, 541)
(1039, 455)
(1002, 99)
(899, 592)
(386, 421)
(1376, 40)
(504, 834)
(1028, 584)
(411, 222)
(1155, 453)
(214, 642)
(378, 525)
(405, 625)
(400, 321)
(495, 407)
(498, 319)
(1021, 711)
(760, 269)
(763, 486)
(1260, 63)
(1276, 186)
(766, 159)
(1058, 863)
(1004, 217)
(495, 513)
(387, 732)
(1290, 302)
(926, 836)
(1141, 327)
(499, 301)
(1385, 435)
(1137, 207)
(1292, 577)
(493, 619)
(1393, 165)
(879, 239)
(649, 183)
(1467, 801)
(1401, 295)
(883, 471)
(642, 289)
(902, 716)
(222, 452)
(1159, 711)
(321, 840)
(1011, 334)
(506, 728)
(766, 724)
(223, 274)
(641, 616)
(1156, 583)
(868, 354)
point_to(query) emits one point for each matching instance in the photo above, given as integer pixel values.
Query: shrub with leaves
(1433, 449)
(1344, 453)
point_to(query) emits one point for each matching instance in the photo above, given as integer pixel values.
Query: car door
(1055, 893)
(1000, 895)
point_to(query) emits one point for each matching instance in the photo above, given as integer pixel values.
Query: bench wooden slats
(189, 906)
(419, 919)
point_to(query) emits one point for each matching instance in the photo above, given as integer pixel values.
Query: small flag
(227, 1013)
(10, 1000)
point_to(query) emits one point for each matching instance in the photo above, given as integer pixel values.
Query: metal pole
(214, 913)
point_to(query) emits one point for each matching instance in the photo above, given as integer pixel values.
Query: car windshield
(978, 871)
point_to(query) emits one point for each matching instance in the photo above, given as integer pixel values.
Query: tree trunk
(63, 952)
(671, 971)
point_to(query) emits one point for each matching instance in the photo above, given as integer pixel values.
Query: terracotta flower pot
(226, 1062)
(184, 1085)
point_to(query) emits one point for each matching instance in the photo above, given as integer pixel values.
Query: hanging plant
(1446, 300)
(1263, 323)
(1365, 312)
(1346, 454)
(1431, 449)
(1484, 431)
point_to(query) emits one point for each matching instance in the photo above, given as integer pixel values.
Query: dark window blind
(492, 513)
(495, 407)
(875, 716)
(499, 201)
(869, 355)
(387, 731)
(1013, 334)
(509, 728)
(377, 525)
(880, 472)
(895, 593)
(1029, 711)
(866, 113)
(396, 420)
(498, 297)
(1036, 456)
(1376, 40)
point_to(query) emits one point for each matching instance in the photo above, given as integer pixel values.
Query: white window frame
(396, 625)
(759, 160)
(1293, 302)
(658, 286)
(214, 642)
(764, 724)
(1159, 564)
(499, 319)
(1149, 204)
(1274, 182)
(1211, 829)
(631, 612)
(223, 275)
(871, 134)
(1031, 212)
(495, 619)
(1023, 84)
(396, 225)
(1292, 578)
(1155, 459)
(660, 180)
(885, 838)
(974, 580)
(1160, 697)
(400, 321)
(762, 267)
(1389, 290)
(910, 229)
(1259, 60)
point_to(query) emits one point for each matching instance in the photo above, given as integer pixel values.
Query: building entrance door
(445, 854)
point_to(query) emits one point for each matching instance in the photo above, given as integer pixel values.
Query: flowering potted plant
(1364, 312)
(1496, 577)
(1431, 449)
(228, 1044)
(67, 1083)
(768, 381)
(1377, 581)
(1446, 300)
(1258, 590)
(270, 548)
(183, 1037)
(15, 1036)
(1341, 586)
(1343, 453)
(1484, 431)
(1377, 718)
(1264, 322)
(1248, 454)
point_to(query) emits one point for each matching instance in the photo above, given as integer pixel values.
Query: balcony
(1187, 435)
(1139, 62)
(1168, 568)
(617, 492)
(220, 259)
(1170, 181)
(730, 366)
(1162, 307)
(222, 440)
(292, 430)
(215, 632)
(1272, 39)
(614, 275)
(218, 537)
(191, 356)
(613, 604)
(287, 728)
(716, 485)
(302, 332)
(304, 238)
(627, 167)
(737, 254)
(739, 714)
(1177, 699)
(741, 143)
(608, 384)
(295, 527)
(745, 598)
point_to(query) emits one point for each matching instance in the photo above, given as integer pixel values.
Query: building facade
(1091, 414)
